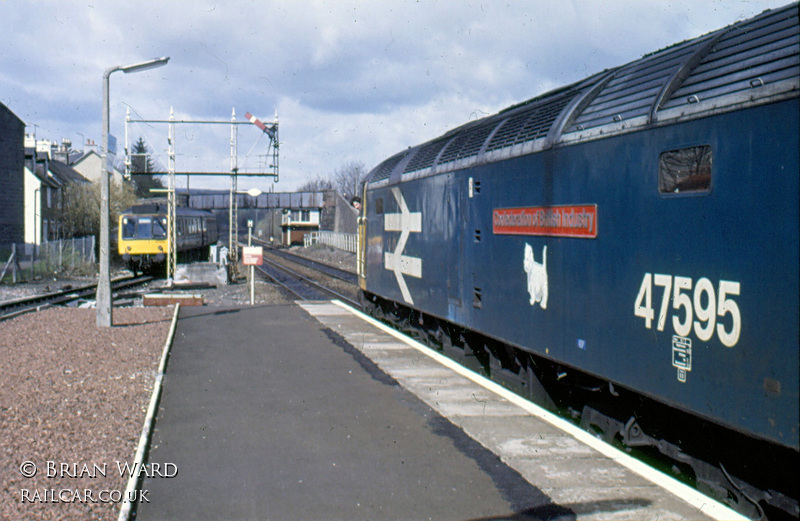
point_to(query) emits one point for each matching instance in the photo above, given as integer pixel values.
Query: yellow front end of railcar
(142, 235)
(143, 247)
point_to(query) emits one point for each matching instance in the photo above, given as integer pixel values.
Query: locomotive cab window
(687, 170)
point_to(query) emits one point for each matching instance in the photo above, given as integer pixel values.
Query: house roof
(44, 178)
(59, 174)
(66, 173)
(4, 108)
(82, 156)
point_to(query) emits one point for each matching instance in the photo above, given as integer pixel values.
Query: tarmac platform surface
(309, 412)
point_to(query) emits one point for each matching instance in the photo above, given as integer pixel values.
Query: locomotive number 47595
(705, 305)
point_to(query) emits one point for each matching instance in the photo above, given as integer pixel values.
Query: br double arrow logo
(404, 222)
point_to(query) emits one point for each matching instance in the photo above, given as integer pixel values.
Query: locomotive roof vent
(748, 63)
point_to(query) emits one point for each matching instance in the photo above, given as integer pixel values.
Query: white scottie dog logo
(537, 277)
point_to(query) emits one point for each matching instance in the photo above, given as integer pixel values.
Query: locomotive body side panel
(575, 254)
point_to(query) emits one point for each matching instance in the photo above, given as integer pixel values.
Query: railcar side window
(685, 170)
(379, 205)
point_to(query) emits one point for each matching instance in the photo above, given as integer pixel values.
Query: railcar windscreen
(159, 228)
(128, 228)
(144, 228)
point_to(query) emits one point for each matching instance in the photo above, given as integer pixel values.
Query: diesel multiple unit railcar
(143, 238)
(626, 249)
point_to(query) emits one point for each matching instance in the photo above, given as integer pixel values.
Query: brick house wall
(12, 183)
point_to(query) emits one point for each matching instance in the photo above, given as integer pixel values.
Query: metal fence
(341, 241)
(28, 261)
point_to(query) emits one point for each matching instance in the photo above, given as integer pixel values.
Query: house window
(49, 198)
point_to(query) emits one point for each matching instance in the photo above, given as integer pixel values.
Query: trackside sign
(578, 221)
(252, 255)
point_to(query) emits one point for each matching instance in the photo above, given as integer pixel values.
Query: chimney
(63, 151)
(91, 146)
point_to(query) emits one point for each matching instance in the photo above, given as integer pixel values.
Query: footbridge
(221, 199)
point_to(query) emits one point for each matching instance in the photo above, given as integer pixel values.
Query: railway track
(301, 285)
(16, 307)
(347, 276)
(307, 279)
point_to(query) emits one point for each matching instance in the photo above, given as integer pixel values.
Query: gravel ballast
(74, 398)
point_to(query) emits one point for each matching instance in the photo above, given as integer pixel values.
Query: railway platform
(311, 411)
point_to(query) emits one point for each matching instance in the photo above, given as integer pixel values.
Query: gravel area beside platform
(76, 395)
(40, 287)
(73, 395)
(328, 255)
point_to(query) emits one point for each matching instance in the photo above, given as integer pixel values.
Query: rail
(16, 307)
(302, 286)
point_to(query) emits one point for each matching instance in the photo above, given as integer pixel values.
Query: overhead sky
(349, 81)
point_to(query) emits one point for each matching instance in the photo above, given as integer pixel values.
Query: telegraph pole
(172, 253)
(233, 210)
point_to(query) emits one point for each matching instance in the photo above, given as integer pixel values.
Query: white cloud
(351, 80)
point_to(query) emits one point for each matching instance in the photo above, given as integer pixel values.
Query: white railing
(341, 241)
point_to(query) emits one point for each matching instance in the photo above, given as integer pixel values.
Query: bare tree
(317, 184)
(82, 207)
(347, 179)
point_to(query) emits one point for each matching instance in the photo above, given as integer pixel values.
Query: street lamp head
(253, 192)
(143, 66)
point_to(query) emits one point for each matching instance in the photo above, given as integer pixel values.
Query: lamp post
(104, 318)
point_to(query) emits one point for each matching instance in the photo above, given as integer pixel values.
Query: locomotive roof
(751, 62)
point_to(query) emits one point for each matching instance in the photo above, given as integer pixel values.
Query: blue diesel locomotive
(624, 248)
